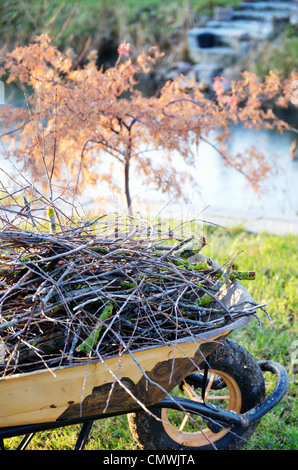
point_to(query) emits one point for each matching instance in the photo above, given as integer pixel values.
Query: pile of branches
(76, 294)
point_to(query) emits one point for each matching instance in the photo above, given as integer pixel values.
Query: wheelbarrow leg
(25, 441)
(22, 445)
(83, 436)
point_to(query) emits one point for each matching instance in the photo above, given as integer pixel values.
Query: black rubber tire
(229, 358)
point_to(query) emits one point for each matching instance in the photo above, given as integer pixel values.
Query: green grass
(275, 260)
(281, 55)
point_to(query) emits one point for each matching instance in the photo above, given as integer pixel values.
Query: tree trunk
(126, 183)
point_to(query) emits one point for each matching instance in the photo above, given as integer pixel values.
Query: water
(224, 190)
(227, 190)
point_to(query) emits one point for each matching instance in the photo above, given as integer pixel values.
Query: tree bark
(126, 173)
(127, 189)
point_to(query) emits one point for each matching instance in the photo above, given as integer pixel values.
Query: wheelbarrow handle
(231, 418)
(280, 389)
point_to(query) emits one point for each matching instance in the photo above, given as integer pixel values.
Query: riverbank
(86, 27)
(275, 224)
(82, 25)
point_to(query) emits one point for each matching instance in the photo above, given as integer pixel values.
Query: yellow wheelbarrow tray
(142, 379)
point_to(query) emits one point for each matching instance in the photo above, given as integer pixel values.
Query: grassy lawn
(275, 260)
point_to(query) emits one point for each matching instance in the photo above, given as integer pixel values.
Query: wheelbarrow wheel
(242, 387)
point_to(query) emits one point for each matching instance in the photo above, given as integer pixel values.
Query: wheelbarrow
(198, 393)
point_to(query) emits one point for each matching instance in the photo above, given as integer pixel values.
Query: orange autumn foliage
(80, 119)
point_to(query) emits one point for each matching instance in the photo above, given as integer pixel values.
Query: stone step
(253, 28)
(269, 5)
(232, 34)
